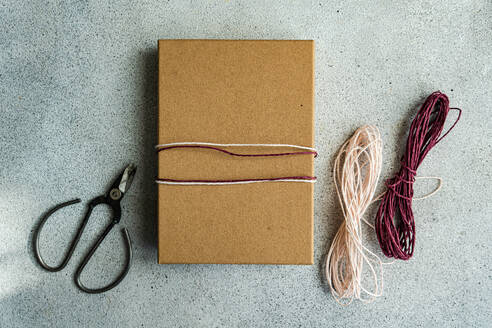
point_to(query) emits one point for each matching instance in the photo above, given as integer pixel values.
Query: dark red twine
(398, 239)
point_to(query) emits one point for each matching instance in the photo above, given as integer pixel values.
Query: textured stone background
(78, 101)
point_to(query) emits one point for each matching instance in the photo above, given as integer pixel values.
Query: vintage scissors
(112, 199)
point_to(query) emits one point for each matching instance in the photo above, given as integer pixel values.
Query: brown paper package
(235, 91)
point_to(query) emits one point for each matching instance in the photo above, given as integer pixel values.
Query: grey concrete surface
(78, 101)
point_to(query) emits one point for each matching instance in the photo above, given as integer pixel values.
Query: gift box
(235, 92)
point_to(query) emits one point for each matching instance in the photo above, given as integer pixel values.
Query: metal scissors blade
(126, 178)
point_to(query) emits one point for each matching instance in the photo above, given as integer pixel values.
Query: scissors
(112, 199)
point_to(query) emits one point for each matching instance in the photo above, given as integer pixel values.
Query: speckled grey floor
(78, 102)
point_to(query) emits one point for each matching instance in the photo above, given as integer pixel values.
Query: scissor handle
(115, 206)
(91, 252)
(68, 255)
(73, 244)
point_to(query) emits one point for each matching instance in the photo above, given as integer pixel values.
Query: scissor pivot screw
(115, 194)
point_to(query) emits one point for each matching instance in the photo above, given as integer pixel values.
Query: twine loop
(395, 224)
(356, 173)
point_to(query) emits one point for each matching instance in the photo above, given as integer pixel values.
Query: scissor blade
(127, 178)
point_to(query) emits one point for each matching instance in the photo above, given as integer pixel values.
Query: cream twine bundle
(356, 173)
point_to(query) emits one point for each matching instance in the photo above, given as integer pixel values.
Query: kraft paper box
(235, 91)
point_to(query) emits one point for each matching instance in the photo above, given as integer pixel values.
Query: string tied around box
(397, 239)
(221, 147)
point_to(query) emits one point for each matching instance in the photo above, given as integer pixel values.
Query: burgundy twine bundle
(398, 240)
